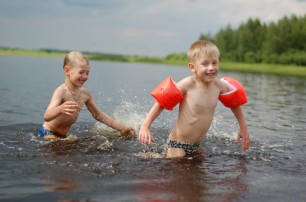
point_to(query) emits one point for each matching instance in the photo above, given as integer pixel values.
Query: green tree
(227, 41)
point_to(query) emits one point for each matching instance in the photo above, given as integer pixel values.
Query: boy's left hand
(244, 136)
(128, 133)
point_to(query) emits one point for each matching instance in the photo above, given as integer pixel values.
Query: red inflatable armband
(167, 94)
(236, 95)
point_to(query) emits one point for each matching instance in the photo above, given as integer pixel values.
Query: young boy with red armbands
(197, 96)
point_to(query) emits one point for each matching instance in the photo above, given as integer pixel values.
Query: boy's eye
(205, 63)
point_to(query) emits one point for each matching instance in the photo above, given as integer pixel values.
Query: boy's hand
(70, 108)
(128, 132)
(145, 136)
(244, 136)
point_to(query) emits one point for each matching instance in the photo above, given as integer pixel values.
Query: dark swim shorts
(188, 148)
(43, 132)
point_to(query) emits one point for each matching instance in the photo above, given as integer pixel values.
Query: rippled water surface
(95, 164)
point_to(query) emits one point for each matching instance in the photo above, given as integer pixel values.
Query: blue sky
(133, 27)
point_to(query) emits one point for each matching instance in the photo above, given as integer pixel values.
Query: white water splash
(128, 113)
(223, 129)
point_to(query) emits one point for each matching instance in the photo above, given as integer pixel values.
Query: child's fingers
(71, 113)
(238, 138)
(246, 144)
(72, 103)
(145, 138)
(142, 138)
(129, 133)
(152, 139)
(71, 109)
(149, 139)
(133, 129)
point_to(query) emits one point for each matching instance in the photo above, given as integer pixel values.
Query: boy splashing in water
(196, 109)
(68, 99)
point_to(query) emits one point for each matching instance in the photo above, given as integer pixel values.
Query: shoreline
(271, 69)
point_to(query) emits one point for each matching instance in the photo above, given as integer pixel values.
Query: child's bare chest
(202, 100)
(80, 99)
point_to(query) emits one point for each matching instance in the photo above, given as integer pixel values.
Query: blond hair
(72, 57)
(200, 48)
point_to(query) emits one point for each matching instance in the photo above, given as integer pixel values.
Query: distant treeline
(283, 42)
(172, 59)
(91, 55)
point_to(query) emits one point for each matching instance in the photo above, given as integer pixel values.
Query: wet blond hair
(72, 57)
(200, 48)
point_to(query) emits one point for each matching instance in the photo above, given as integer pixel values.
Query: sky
(129, 27)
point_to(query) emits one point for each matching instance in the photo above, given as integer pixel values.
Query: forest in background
(282, 42)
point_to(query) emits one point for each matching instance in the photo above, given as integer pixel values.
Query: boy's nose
(210, 66)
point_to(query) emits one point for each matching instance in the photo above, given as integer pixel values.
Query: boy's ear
(191, 67)
(66, 70)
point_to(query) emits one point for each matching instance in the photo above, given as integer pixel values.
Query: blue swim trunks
(188, 148)
(42, 132)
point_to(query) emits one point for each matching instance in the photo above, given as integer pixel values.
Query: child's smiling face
(79, 72)
(205, 67)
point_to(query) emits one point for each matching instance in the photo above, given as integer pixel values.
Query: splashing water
(223, 129)
(85, 145)
(127, 113)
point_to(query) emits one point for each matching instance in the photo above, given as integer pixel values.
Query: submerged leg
(175, 152)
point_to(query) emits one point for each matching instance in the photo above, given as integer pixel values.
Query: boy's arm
(144, 135)
(108, 120)
(243, 133)
(55, 107)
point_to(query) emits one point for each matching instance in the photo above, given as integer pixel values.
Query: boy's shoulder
(87, 93)
(187, 80)
(186, 83)
(85, 90)
(60, 89)
(219, 84)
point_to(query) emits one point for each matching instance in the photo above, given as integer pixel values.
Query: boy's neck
(203, 83)
(74, 90)
(71, 86)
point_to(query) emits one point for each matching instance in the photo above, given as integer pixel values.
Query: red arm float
(167, 94)
(236, 95)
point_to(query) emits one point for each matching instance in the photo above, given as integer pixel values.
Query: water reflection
(61, 185)
(192, 179)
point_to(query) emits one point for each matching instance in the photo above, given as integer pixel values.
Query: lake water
(274, 169)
